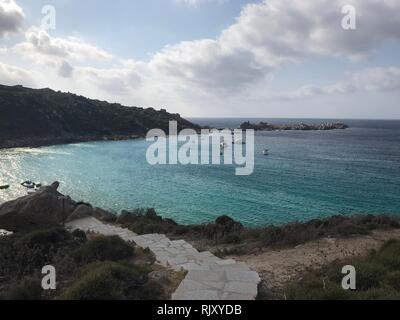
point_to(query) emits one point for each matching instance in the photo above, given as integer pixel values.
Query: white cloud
(11, 17)
(367, 80)
(11, 75)
(43, 48)
(275, 32)
(65, 70)
(230, 70)
(113, 81)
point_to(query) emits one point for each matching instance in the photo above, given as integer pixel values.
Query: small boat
(31, 186)
(5, 233)
(4, 186)
(265, 152)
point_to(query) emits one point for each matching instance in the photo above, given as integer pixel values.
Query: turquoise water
(306, 175)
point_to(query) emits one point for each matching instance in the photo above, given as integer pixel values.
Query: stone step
(209, 277)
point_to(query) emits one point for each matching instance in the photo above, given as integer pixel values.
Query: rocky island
(264, 126)
(40, 117)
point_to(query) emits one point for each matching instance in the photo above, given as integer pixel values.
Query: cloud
(65, 70)
(116, 81)
(11, 17)
(226, 72)
(368, 80)
(11, 75)
(42, 47)
(207, 65)
(276, 32)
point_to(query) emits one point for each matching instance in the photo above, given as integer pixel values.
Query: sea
(307, 175)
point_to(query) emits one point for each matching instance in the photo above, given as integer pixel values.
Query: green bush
(393, 280)
(104, 248)
(377, 275)
(27, 289)
(369, 274)
(108, 281)
(390, 254)
(24, 254)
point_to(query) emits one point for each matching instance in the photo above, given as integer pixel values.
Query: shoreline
(281, 256)
(51, 141)
(38, 142)
(160, 218)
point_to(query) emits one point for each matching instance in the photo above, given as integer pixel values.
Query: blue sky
(143, 27)
(273, 58)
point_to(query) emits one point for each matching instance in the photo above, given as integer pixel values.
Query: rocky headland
(264, 126)
(41, 117)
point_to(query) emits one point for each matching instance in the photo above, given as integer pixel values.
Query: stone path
(208, 277)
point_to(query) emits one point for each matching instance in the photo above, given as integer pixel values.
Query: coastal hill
(37, 117)
(264, 126)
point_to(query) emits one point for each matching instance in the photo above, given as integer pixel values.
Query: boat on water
(31, 186)
(265, 152)
(5, 233)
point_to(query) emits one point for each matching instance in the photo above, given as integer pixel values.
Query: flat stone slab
(208, 278)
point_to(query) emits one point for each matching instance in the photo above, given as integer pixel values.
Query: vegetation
(264, 126)
(233, 238)
(98, 268)
(31, 117)
(377, 277)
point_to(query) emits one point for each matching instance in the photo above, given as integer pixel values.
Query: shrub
(27, 289)
(390, 254)
(369, 275)
(316, 288)
(23, 255)
(378, 277)
(393, 280)
(108, 281)
(104, 248)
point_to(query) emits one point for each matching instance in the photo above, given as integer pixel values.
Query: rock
(264, 126)
(45, 208)
(104, 215)
(81, 211)
(160, 276)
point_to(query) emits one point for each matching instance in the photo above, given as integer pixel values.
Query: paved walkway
(208, 277)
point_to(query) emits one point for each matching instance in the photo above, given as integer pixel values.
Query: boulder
(45, 208)
(80, 212)
(104, 215)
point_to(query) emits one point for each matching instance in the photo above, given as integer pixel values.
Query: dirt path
(278, 267)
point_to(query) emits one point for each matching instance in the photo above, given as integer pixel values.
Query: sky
(211, 58)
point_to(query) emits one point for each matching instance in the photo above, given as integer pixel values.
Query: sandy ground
(278, 267)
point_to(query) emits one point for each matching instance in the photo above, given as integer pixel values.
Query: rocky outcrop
(45, 208)
(264, 126)
(80, 212)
